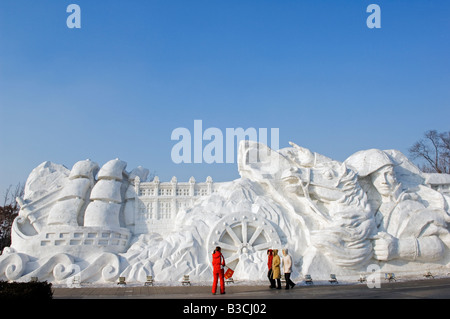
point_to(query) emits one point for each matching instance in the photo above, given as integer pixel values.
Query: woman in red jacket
(269, 265)
(218, 262)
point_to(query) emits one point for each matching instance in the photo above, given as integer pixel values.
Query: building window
(165, 210)
(150, 211)
(165, 192)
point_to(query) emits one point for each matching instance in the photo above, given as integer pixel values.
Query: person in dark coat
(269, 265)
(218, 262)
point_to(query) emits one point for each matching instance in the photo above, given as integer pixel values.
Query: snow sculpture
(74, 195)
(411, 218)
(106, 197)
(100, 223)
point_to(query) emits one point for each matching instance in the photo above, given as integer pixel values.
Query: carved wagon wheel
(242, 233)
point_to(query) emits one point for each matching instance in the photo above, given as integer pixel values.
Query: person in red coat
(269, 265)
(218, 262)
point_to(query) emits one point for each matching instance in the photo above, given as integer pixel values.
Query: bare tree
(434, 150)
(10, 195)
(8, 212)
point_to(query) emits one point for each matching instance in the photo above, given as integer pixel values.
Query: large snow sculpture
(334, 217)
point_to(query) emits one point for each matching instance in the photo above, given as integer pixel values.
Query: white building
(157, 203)
(438, 182)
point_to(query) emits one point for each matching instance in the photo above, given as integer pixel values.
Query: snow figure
(411, 217)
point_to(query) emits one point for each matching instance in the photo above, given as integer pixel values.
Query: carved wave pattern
(58, 268)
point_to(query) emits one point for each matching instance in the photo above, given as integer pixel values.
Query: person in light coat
(287, 269)
(276, 272)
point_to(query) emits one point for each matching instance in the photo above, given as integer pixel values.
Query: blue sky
(137, 70)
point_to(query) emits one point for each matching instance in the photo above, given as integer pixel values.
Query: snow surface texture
(98, 223)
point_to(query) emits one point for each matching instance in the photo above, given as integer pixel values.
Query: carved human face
(384, 180)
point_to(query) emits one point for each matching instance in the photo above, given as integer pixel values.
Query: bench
(428, 275)
(149, 281)
(186, 280)
(121, 281)
(308, 280)
(390, 276)
(362, 278)
(333, 279)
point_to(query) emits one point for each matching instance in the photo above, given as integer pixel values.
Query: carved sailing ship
(83, 218)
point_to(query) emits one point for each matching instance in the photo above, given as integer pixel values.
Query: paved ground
(419, 289)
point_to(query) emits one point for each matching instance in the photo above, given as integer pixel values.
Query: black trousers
(272, 281)
(289, 282)
(278, 283)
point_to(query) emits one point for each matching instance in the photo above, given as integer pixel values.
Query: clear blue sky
(136, 70)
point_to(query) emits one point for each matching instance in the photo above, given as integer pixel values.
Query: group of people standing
(274, 265)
